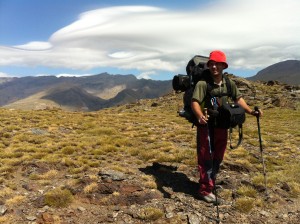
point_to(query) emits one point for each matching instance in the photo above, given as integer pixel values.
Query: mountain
(74, 97)
(286, 72)
(88, 93)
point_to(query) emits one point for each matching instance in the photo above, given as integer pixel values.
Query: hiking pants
(208, 172)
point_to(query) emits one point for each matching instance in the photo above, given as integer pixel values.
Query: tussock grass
(6, 219)
(5, 192)
(18, 199)
(150, 214)
(150, 183)
(244, 204)
(92, 187)
(247, 191)
(58, 197)
(45, 176)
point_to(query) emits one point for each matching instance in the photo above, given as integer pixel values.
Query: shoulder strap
(228, 85)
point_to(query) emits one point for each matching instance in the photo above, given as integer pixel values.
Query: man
(209, 163)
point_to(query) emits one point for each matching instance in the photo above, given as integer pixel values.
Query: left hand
(256, 113)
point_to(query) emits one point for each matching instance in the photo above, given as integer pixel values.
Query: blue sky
(150, 39)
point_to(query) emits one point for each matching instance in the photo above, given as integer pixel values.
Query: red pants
(209, 162)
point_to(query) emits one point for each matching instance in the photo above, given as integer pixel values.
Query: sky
(149, 39)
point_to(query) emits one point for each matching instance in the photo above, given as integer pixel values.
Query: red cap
(218, 56)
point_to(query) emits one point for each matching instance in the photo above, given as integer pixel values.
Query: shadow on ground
(167, 176)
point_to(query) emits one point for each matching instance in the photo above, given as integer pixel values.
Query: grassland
(43, 151)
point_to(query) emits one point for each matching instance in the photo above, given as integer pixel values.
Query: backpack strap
(240, 127)
(210, 83)
(228, 86)
(229, 94)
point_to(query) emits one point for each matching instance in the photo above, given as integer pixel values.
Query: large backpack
(196, 71)
(227, 116)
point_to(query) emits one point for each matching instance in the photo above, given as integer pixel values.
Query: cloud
(253, 33)
(146, 75)
(66, 75)
(72, 75)
(2, 74)
(35, 45)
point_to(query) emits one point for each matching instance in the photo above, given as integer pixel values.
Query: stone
(3, 209)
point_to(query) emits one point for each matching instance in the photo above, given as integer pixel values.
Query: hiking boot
(210, 198)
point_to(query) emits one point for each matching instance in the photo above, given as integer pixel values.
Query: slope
(136, 163)
(286, 72)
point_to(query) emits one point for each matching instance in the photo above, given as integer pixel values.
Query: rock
(267, 101)
(47, 218)
(285, 187)
(193, 219)
(264, 213)
(38, 131)
(82, 209)
(112, 174)
(154, 104)
(3, 209)
(31, 218)
(169, 215)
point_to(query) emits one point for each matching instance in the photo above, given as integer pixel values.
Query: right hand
(203, 120)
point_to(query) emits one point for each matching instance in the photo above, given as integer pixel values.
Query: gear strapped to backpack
(228, 115)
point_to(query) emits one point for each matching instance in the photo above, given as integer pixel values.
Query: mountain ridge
(80, 93)
(287, 72)
(90, 93)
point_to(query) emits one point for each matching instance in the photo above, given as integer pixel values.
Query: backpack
(226, 116)
(196, 71)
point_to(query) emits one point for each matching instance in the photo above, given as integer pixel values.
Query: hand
(203, 120)
(256, 112)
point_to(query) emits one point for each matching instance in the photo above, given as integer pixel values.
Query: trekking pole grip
(256, 109)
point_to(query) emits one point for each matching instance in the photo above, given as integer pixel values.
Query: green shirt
(201, 88)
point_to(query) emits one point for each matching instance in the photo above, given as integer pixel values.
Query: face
(216, 68)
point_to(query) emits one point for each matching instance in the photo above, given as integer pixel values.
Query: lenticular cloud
(253, 33)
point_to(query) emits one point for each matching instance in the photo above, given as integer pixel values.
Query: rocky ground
(148, 192)
(123, 198)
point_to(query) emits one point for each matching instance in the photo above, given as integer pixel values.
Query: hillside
(136, 163)
(285, 72)
(87, 93)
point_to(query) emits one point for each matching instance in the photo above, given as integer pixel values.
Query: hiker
(211, 140)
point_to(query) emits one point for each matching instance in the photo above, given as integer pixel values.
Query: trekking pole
(261, 149)
(212, 166)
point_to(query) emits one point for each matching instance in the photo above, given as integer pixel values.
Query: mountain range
(91, 93)
(88, 93)
(286, 72)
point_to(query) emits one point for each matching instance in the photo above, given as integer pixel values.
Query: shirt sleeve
(236, 94)
(199, 92)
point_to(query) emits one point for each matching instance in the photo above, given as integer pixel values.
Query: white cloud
(146, 75)
(35, 45)
(253, 34)
(67, 75)
(2, 74)
(72, 75)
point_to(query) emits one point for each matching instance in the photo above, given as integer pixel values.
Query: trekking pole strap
(240, 129)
